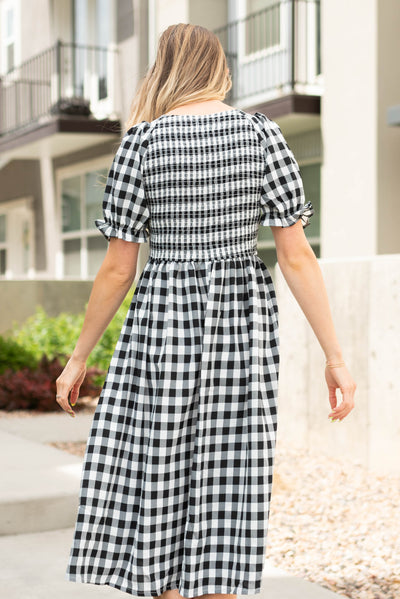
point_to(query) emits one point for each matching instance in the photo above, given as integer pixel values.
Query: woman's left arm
(112, 283)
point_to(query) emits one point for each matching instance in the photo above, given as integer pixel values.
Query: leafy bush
(52, 336)
(36, 390)
(15, 357)
(34, 355)
(56, 337)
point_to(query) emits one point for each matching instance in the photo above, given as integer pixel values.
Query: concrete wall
(18, 299)
(364, 296)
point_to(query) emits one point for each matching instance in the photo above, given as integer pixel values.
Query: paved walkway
(33, 567)
(38, 505)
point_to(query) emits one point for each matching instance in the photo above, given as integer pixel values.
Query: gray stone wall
(364, 297)
(18, 299)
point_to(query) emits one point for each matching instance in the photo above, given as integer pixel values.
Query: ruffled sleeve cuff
(108, 230)
(275, 218)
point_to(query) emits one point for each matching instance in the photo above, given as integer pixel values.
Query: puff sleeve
(125, 210)
(282, 201)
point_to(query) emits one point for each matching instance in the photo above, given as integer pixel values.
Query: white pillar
(50, 221)
(349, 128)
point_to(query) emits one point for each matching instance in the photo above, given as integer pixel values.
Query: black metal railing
(66, 77)
(275, 50)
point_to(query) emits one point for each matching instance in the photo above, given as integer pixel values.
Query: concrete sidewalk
(58, 426)
(40, 483)
(38, 508)
(33, 567)
(39, 486)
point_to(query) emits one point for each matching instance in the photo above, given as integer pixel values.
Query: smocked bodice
(203, 187)
(197, 187)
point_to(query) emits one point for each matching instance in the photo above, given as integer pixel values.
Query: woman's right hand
(340, 378)
(70, 381)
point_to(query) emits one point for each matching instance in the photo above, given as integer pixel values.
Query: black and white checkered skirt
(177, 474)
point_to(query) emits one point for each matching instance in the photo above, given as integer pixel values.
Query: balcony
(68, 88)
(274, 57)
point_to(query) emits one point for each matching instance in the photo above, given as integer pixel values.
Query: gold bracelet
(334, 365)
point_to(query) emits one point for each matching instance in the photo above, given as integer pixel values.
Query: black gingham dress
(177, 472)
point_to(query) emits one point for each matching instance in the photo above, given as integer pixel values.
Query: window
(311, 175)
(9, 26)
(92, 26)
(263, 25)
(260, 31)
(9, 41)
(80, 21)
(83, 247)
(103, 38)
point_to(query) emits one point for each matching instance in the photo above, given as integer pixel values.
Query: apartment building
(326, 71)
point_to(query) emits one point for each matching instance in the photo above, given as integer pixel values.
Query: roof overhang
(56, 136)
(295, 113)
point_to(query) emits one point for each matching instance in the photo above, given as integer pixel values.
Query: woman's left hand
(70, 381)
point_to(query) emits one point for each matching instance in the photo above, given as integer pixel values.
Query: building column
(349, 176)
(50, 221)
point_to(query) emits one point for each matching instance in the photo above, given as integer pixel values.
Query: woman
(177, 473)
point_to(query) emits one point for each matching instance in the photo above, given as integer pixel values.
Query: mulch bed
(84, 405)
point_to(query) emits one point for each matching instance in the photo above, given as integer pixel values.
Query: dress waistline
(171, 256)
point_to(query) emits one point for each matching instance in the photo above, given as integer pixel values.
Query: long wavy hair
(190, 66)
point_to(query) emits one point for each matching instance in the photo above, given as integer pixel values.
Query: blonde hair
(190, 66)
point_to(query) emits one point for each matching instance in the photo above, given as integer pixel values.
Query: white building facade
(325, 70)
(67, 83)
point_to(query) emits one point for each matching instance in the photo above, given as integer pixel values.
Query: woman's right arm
(303, 275)
(113, 281)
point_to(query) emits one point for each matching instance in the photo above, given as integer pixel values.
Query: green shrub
(50, 336)
(15, 357)
(56, 336)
